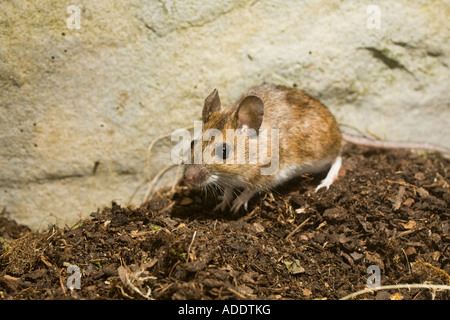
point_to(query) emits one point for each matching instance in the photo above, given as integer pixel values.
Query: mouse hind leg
(331, 175)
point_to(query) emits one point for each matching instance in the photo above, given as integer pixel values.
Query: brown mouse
(272, 134)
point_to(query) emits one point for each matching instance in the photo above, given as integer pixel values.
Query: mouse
(272, 134)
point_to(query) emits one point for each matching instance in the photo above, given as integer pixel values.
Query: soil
(388, 209)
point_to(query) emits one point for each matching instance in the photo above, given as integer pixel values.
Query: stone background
(79, 107)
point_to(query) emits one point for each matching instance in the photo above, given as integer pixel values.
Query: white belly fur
(296, 170)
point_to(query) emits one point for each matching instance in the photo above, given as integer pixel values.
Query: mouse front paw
(222, 205)
(242, 199)
(226, 198)
(237, 204)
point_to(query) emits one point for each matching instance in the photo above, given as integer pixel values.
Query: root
(133, 280)
(397, 286)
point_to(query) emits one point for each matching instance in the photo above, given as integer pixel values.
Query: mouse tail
(361, 141)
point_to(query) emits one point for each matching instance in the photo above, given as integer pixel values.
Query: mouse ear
(212, 104)
(250, 112)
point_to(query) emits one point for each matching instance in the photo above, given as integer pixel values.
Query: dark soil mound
(389, 209)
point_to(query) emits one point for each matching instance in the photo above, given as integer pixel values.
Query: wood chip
(399, 198)
(409, 225)
(410, 251)
(45, 261)
(422, 192)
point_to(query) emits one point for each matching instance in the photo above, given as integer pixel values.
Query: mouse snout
(196, 174)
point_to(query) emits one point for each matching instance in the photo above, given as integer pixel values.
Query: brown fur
(308, 132)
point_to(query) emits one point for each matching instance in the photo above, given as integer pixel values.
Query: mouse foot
(227, 195)
(242, 199)
(222, 205)
(331, 175)
(237, 204)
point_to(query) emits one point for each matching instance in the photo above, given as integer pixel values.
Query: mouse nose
(195, 174)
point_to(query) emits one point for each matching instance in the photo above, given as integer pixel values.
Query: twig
(297, 228)
(360, 131)
(171, 270)
(373, 134)
(162, 171)
(150, 147)
(405, 233)
(172, 190)
(165, 288)
(397, 286)
(189, 249)
(249, 216)
(155, 179)
(407, 260)
(402, 183)
(61, 282)
(237, 293)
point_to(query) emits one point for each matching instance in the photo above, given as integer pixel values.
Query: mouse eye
(223, 151)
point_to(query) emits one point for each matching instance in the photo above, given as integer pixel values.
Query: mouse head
(224, 153)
